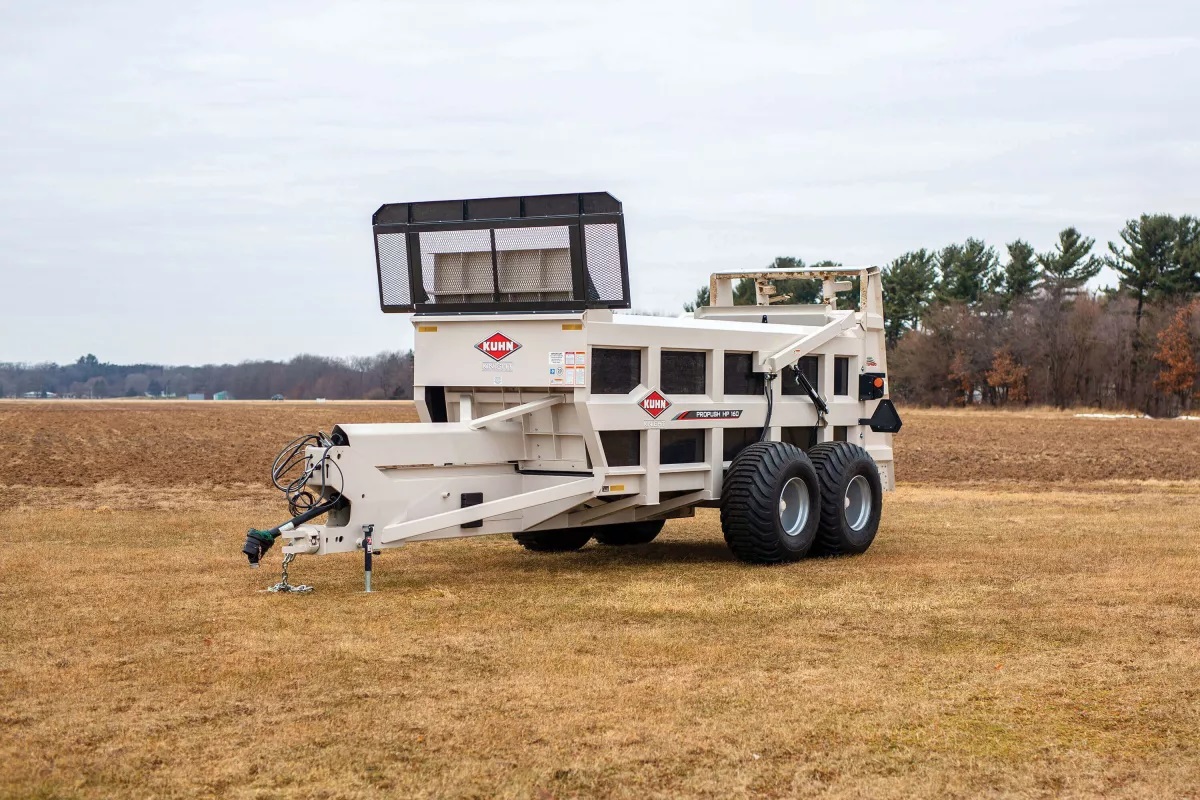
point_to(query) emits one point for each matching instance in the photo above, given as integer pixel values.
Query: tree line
(387, 375)
(967, 325)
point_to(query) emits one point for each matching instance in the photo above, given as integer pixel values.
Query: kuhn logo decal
(655, 404)
(497, 347)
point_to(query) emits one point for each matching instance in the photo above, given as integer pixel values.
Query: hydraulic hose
(766, 428)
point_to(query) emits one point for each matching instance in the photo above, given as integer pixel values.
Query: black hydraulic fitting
(257, 544)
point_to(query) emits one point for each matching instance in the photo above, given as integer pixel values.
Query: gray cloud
(195, 184)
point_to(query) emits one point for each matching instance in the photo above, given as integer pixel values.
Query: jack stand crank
(366, 545)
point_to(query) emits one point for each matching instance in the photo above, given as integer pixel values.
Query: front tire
(561, 540)
(770, 504)
(851, 498)
(629, 532)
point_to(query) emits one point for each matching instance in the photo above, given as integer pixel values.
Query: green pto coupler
(258, 542)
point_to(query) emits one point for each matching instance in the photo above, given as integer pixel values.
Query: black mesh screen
(683, 372)
(622, 448)
(740, 377)
(394, 289)
(533, 253)
(605, 281)
(681, 446)
(737, 440)
(615, 371)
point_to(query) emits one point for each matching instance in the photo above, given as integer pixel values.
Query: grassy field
(1027, 624)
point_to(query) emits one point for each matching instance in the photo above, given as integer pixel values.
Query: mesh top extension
(556, 252)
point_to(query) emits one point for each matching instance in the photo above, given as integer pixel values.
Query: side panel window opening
(615, 371)
(801, 437)
(737, 440)
(808, 366)
(681, 446)
(683, 372)
(841, 375)
(740, 377)
(622, 448)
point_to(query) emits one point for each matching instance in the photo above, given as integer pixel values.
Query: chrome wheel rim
(858, 502)
(794, 506)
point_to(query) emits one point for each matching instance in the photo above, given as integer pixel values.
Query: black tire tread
(832, 460)
(747, 505)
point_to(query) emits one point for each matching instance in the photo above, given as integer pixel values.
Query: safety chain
(283, 585)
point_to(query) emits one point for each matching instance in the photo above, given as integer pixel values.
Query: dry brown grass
(1025, 642)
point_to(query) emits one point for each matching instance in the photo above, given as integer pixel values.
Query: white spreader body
(551, 419)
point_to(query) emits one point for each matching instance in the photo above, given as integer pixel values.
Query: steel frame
(533, 450)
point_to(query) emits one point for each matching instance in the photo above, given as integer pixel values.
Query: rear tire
(561, 540)
(851, 498)
(629, 532)
(770, 504)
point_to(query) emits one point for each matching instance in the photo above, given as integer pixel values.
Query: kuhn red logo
(655, 404)
(497, 347)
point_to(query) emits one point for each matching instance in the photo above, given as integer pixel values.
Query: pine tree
(1144, 264)
(908, 285)
(1145, 261)
(702, 299)
(1185, 275)
(1070, 264)
(967, 271)
(1019, 275)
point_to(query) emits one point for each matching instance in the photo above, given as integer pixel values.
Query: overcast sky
(187, 183)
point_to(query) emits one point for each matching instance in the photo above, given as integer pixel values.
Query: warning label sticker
(567, 368)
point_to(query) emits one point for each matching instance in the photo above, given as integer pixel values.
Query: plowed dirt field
(1027, 624)
(151, 444)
